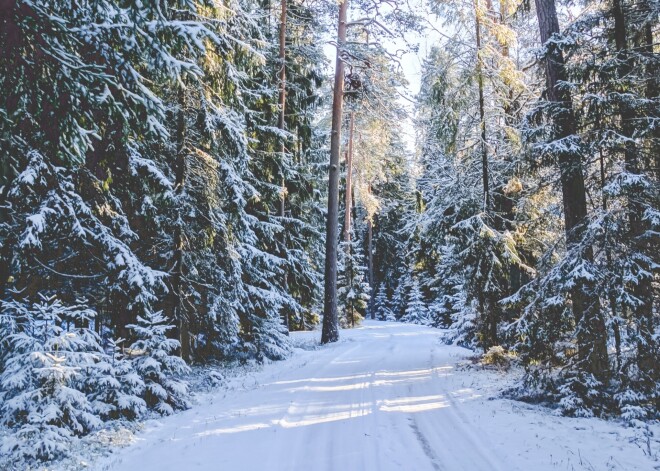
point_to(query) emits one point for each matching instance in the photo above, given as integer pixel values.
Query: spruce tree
(381, 304)
(353, 288)
(416, 310)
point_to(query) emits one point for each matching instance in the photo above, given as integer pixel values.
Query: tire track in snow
(426, 446)
(456, 428)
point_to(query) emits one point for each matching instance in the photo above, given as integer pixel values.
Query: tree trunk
(591, 332)
(6, 262)
(176, 273)
(349, 183)
(488, 311)
(652, 92)
(482, 111)
(370, 263)
(281, 125)
(608, 256)
(282, 93)
(330, 331)
(282, 64)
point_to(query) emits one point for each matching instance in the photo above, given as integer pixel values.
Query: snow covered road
(386, 397)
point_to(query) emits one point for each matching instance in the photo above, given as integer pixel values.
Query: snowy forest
(186, 185)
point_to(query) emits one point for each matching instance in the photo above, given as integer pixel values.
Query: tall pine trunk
(282, 95)
(488, 310)
(349, 182)
(616, 329)
(652, 92)
(591, 331)
(482, 111)
(370, 263)
(281, 125)
(330, 331)
(178, 313)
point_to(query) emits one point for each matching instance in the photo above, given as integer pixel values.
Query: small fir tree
(381, 304)
(416, 310)
(44, 356)
(353, 292)
(155, 360)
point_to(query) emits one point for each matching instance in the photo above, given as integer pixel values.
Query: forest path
(388, 396)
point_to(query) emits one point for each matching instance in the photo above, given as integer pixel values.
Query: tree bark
(281, 124)
(176, 273)
(349, 182)
(591, 331)
(6, 262)
(282, 71)
(652, 86)
(488, 311)
(608, 256)
(482, 111)
(282, 92)
(330, 332)
(370, 263)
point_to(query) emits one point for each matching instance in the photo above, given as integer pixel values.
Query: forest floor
(388, 396)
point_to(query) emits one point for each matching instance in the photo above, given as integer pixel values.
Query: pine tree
(416, 310)
(381, 305)
(45, 359)
(466, 237)
(155, 362)
(114, 387)
(330, 318)
(564, 145)
(622, 177)
(447, 287)
(353, 288)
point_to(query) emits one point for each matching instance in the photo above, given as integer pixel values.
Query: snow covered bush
(58, 382)
(389, 316)
(44, 356)
(581, 395)
(638, 396)
(497, 356)
(155, 363)
(269, 337)
(115, 388)
(464, 325)
(399, 300)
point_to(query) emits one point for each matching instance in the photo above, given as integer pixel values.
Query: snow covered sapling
(581, 395)
(155, 363)
(416, 310)
(381, 308)
(399, 300)
(269, 336)
(43, 360)
(115, 388)
(390, 317)
(353, 292)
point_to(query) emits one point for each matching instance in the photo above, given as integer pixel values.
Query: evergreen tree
(353, 288)
(466, 235)
(156, 363)
(416, 310)
(381, 305)
(52, 374)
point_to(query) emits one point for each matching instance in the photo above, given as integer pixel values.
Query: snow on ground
(388, 396)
